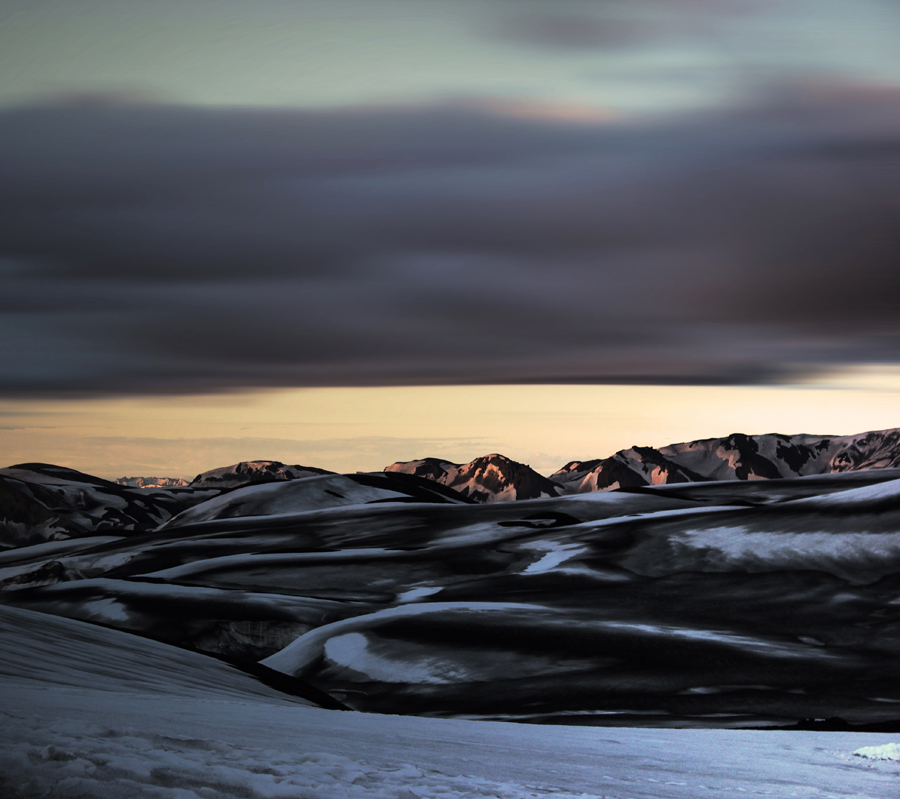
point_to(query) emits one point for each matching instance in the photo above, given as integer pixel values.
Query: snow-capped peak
(490, 478)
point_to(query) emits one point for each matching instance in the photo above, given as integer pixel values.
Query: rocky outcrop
(492, 478)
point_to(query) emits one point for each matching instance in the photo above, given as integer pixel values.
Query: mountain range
(40, 502)
(737, 457)
(495, 478)
(744, 581)
(710, 604)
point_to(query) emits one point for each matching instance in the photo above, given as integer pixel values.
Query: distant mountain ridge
(42, 502)
(497, 478)
(492, 478)
(247, 472)
(152, 482)
(736, 457)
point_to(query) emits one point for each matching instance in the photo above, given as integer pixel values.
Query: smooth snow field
(92, 712)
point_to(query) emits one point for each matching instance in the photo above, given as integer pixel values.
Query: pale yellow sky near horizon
(366, 429)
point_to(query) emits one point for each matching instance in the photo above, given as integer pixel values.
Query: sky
(346, 233)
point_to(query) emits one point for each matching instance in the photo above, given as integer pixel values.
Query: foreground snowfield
(92, 712)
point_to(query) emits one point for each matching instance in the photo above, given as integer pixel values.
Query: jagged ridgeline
(493, 478)
(40, 502)
(737, 457)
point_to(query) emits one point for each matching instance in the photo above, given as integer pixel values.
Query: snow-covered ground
(92, 712)
(652, 608)
(631, 608)
(273, 499)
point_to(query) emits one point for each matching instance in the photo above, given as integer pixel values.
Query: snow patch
(864, 495)
(420, 666)
(860, 557)
(108, 611)
(418, 593)
(557, 554)
(295, 657)
(883, 752)
(745, 642)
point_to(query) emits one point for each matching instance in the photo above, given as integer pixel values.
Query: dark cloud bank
(166, 249)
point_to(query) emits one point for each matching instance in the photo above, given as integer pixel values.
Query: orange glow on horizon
(366, 429)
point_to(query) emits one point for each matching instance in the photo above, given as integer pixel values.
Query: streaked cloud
(167, 249)
(572, 31)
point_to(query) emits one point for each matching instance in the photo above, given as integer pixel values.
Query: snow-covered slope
(492, 478)
(246, 586)
(50, 650)
(762, 492)
(40, 502)
(737, 457)
(88, 712)
(635, 608)
(312, 493)
(247, 472)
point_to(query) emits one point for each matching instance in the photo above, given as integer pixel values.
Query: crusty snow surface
(92, 712)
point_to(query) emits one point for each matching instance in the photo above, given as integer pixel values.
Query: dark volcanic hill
(492, 478)
(682, 605)
(41, 502)
(152, 482)
(248, 472)
(737, 457)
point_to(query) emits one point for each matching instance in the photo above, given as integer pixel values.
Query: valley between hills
(739, 582)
